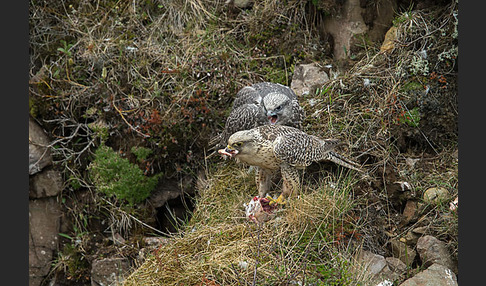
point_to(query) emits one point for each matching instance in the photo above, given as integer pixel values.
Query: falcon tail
(343, 161)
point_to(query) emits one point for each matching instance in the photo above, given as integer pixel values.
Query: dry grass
(367, 104)
(219, 244)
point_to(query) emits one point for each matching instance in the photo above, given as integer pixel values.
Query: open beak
(228, 151)
(272, 117)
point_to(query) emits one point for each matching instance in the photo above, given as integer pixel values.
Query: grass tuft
(219, 244)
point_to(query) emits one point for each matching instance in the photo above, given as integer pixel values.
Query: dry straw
(221, 245)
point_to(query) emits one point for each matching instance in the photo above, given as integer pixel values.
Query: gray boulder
(396, 265)
(431, 250)
(381, 270)
(47, 183)
(44, 222)
(306, 78)
(109, 271)
(39, 154)
(374, 263)
(435, 275)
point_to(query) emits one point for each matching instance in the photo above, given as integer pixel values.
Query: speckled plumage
(260, 104)
(257, 91)
(244, 117)
(276, 147)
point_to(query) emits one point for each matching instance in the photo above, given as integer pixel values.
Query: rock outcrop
(435, 275)
(109, 271)
(431, 250)
(381, 270)
(39, 154)
(45, 184)
(44, 222)
(306, 78)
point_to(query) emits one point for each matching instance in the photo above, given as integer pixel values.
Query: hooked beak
(228, 151)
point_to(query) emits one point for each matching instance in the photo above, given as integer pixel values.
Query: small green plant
(72, 262)
(403, 17)
(141, 153)
(100, 129)
(74, 182)
(412, 86)
(322, 91)
(410, 117)
(116, 176)
(65, 49)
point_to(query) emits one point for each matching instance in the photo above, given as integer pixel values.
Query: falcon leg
(291, 182)
(263, 180)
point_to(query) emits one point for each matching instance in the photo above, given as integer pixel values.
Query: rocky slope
(151, 84)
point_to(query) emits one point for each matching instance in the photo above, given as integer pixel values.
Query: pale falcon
(274, 148)
(260, 104)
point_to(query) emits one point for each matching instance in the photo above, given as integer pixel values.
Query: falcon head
(278, 108)
(241, 142)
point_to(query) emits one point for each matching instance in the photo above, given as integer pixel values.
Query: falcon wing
(244, 117)
(300, 150)
(247, 95)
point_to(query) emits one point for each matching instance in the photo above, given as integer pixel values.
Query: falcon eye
(237, 144)
(278, 108)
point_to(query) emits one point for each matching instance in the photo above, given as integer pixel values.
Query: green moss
(275, 75)
(410, 117)
(141, 153)
(411, 86)
(32, 107)
(116, 176)
(38, 107)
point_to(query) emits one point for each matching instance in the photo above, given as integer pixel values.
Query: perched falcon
(274, 148)
(260, 104)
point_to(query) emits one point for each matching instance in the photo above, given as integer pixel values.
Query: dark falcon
(261, 104)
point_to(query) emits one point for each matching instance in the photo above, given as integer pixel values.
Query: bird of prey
(273, 148)
(260, 104)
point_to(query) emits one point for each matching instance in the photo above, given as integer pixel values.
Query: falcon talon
(279, 201)
(271, 200)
